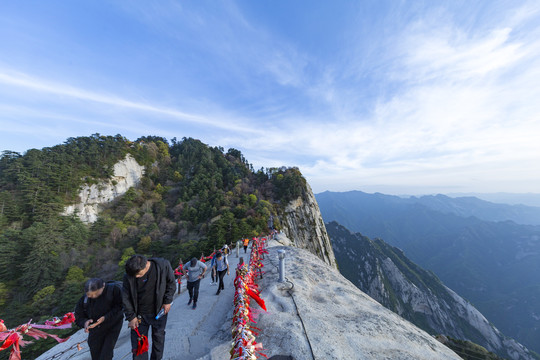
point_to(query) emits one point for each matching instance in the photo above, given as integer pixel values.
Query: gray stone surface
(341, 322)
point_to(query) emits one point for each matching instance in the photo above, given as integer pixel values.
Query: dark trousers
(101, 341)
(245, 248)
(214, 276)
(221, 274)
(158, 336)
(193, 289)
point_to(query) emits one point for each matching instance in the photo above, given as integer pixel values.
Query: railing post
(281, 255)
(238, 248)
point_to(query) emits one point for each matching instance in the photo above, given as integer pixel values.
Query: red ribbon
(14, 338)
(142, 343)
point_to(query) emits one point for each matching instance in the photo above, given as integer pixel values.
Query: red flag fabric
(257, 298)
(12, 338)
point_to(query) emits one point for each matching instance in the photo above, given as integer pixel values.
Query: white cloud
(465, 115)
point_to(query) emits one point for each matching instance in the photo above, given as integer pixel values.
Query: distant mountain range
(493, 264)
(528, 199)
(388, 276)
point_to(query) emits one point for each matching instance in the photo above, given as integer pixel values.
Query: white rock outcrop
(127, 173)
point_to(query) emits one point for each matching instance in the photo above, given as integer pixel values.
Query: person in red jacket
(179, 272)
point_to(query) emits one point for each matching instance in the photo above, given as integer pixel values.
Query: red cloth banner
(14, 337)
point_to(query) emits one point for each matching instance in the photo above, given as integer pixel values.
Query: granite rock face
(319, 310)
(127, 173)
(303, 225)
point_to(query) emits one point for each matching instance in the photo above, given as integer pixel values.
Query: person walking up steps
(225, 250)
(148, 288)
(195, 271)
(222, 266)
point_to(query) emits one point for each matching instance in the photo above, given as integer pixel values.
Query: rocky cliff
(127, 173)
(385, 274)
(302, 223)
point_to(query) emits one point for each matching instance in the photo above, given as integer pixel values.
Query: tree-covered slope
(495, 265)
(192, 198)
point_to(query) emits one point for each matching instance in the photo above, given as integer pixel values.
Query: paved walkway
(203, 333)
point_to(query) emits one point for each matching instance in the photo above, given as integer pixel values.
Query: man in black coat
(148, 288)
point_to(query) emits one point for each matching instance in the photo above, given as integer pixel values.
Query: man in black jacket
(149, 287)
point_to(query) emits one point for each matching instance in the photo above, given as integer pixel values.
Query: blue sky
(401, 97)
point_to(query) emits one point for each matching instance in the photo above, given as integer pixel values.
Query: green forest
(192, 199)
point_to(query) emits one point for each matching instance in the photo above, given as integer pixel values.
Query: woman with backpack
(222, 266)
(99, 312)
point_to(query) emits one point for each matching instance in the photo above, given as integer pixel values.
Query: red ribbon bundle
(244, 346)
(142, 343)
(14, 338)
(56, 323)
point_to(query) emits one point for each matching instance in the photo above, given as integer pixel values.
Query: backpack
(120, 284)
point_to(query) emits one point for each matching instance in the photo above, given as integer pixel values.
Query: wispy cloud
(35, 84)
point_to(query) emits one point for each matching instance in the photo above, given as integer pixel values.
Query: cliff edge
(303, 224)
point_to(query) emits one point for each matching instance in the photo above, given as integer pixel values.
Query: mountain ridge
(387, 275)
(495, 265)
(321, 298)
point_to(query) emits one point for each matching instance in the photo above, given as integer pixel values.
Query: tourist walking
(99, 312)
(148, 288)
(213, 269)
(222, 267)
(195, 271)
